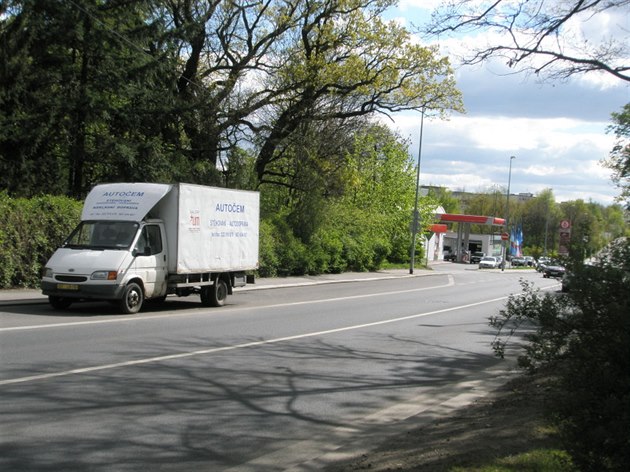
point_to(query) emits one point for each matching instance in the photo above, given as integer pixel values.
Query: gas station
(462, 237)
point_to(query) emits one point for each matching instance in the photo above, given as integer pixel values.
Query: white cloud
(473, 153)
(540, 170)
(557, 131)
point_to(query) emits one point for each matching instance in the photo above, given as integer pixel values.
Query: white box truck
(143, 241)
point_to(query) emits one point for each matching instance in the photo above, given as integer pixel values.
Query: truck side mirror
(145, 252)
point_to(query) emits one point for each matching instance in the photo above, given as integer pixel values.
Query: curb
(332, 281)
(34, 297)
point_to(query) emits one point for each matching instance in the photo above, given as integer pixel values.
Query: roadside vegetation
(583, 338)
(365, 228)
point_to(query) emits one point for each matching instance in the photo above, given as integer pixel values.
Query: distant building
(464, 196)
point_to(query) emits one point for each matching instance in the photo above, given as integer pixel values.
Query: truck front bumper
(82, 291)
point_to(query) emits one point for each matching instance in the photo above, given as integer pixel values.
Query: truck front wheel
(59, 303)
(215, 294)
(132, 299)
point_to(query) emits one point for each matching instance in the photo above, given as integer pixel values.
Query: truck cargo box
(210, 229)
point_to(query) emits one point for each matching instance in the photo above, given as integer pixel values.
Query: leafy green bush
(326, 252)
(348, 239)
(268, 258)
(32, 229)
(281, 252)
(584, 336)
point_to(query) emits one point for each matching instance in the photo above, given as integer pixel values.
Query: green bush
(32, 229)
(268, 258)
(281, 253)
(349, 239)
(584, 336)
(325, 253)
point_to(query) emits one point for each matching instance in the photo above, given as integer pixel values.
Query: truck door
(151, 260)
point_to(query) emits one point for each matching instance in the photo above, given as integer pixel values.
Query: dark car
(541, 263)
(553, 269)
(450, 256)
(476, 257)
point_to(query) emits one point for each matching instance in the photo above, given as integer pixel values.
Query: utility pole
(415, 224)
(507, 217)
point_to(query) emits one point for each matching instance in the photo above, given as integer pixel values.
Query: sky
(555, 130)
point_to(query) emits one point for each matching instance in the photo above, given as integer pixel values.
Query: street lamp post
(507, 216)
(415, 218)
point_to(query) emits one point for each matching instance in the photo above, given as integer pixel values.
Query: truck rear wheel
(214, 295)
(59, 303)
(132, 299)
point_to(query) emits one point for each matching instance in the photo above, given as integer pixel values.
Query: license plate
(67, 287)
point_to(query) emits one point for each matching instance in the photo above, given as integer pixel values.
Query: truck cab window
(150, 238)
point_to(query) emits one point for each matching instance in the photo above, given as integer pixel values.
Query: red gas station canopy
(438, 228)
(481, 220)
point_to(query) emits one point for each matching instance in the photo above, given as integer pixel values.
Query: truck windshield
(102, 235)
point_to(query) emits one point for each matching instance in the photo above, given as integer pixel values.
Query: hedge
(31, 230)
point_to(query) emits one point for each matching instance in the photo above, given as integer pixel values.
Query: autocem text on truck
(139, 241)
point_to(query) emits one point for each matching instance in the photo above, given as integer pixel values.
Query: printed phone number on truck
(228, 234)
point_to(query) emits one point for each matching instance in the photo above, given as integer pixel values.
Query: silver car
(488, 262)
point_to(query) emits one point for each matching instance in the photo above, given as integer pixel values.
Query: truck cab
(123, 261)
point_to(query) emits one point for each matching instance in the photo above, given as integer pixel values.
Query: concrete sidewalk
(30, 296)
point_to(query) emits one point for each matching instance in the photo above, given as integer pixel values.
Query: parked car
(518, 262)
(488, 262)
(529, 260)
(541, 263)
(450, 256)
(553, 269)
(476, 257)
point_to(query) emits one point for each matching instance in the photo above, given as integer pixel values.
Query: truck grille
(70, 278)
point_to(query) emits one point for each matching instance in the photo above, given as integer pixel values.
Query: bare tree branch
(546, 38)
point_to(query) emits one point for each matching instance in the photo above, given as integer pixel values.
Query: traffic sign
(505, 236)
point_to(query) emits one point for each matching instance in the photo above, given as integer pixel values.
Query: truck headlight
(48, 273)
(104, 275)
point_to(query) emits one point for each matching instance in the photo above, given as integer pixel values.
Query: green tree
(351, 209)
(490, 203)
(584, 228)
(445, 199)
(81, 100)
(619, 159)
(541, 219)
(380, 180)
(344, 62)
(164, 90)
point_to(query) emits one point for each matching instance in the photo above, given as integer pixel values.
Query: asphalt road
(286, 378)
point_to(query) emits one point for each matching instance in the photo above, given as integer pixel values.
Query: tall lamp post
(507, 217)
(415, 223)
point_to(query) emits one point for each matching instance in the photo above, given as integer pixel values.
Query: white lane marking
(450, 283)
(215, 350)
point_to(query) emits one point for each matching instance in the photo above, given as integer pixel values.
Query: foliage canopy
(156, 90)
